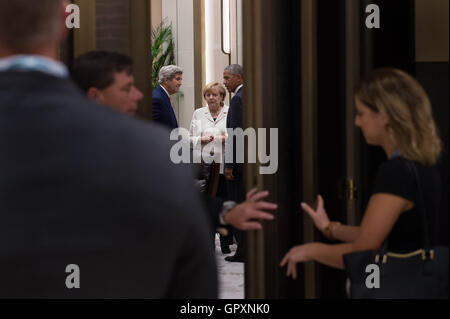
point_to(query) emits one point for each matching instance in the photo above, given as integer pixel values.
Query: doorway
(303, 59)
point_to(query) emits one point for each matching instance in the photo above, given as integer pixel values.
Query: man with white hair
(170, 80)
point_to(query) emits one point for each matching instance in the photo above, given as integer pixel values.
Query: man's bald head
(25, 24)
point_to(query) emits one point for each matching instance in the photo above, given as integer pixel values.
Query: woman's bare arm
(381, 214)
(345, 233)
(320, 219)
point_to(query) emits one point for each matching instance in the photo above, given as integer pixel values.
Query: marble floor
(231, 275)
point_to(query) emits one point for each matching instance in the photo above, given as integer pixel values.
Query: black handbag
(422, 274)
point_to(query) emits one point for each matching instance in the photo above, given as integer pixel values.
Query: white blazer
(203, 123)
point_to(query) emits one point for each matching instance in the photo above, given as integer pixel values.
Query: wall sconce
(226, 41)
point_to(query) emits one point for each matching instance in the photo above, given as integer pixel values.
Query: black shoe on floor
(226, 240)
(235, 259)
(225, 250)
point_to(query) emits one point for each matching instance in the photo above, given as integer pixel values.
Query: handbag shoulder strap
(420, 205)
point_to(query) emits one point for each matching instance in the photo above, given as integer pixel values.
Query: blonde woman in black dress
(393, 112)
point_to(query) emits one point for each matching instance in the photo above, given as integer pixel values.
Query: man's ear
(94, 94)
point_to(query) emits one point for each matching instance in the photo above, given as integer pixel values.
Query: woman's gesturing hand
(297, 254)
(319, 216)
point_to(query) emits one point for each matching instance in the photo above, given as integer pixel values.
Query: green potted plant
(163, 49)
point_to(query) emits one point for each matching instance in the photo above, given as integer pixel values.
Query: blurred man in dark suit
(83, 185)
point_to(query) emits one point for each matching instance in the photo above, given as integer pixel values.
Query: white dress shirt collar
(165, 91)
(238, 88)
(38, 63)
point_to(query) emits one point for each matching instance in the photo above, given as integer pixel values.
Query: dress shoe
(225, 249)
(235, 259)
(226, 240)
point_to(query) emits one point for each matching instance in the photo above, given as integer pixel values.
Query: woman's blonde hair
(406, 106)
(218, 86)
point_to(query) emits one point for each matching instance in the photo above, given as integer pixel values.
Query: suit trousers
(225, 241)
(235, 190)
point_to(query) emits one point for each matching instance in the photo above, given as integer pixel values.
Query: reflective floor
(231, 275)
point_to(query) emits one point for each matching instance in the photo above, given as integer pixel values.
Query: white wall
(156, 12)
(181, 14)
(240, 33)
(216, 60)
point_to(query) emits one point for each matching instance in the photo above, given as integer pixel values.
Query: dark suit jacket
(83, 184)
(234, 120)
(162, 111)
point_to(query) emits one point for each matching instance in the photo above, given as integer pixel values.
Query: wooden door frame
(352, 77)
(268, 104)
(140, 51)
(84, 38)
(257, 281)
(309, 130)
(255, 265)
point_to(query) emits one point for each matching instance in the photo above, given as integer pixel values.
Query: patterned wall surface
(113, 25)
